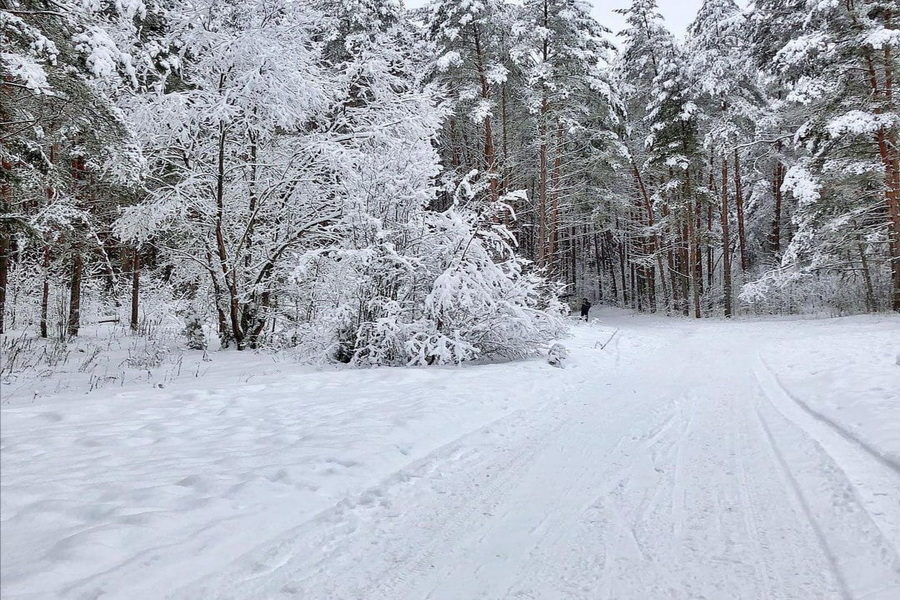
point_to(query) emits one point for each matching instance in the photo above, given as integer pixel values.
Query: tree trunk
(739, 203)
(541, 241)
(504, 182)
(726, 240)
(775, 237)
(698, 247)
(5, 242)
(489, 158)
(573, 259)
(45, 292)
(598, 263)
(693, 243)
(74, 321)
(229, 272)
(672, 264)
(653, 242)
(4, 272)
(684, 262)
(633, 280)
(608, 249)
(709, 246)
(871, 304)
(554, 253)
(135, 287)
(623, 247)
(542, 134)
(225, 335)
(892, 194)
(889, 153)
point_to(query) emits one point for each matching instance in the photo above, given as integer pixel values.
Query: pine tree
(724, 88)
(836, 62)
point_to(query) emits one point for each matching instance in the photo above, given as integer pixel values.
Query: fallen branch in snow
(604, 344)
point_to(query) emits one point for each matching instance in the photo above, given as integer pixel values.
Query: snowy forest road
(684, 460)
(689, 473)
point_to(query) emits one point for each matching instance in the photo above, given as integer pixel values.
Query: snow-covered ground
(751, 459)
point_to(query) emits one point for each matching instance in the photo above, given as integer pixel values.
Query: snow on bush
(558, 355)
(457, 293)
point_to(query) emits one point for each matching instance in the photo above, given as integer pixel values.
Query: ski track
(674, 463)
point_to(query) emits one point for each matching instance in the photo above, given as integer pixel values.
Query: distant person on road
(585, 308)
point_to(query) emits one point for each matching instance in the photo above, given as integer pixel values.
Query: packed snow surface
(748, 459)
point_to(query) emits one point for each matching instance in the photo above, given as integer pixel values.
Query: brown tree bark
(726, 240)
(556, 176)
(739, 204)
(889, 153)
(5, 243)
(871, 303)
(693, 243)
(504, 116)
(541, 241)
(4, 272)
(684, 262)
(653, 242)
(74, 322)
(711, 184)
(698, 247)
(489, 158)
(623, 259)
(671, 300)
(229, 272)
(45, 292)
(777, 181)
(135, 287)
(709, 246)
(224, 334)
(598, 263)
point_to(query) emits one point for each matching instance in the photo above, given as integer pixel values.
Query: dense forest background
(374, 185)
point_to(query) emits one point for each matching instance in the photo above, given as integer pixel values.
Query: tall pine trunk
(726, 240)
(693, 243)
(775, 235)
(556, 177)
(4, 272)
(5, 242)
(489, 158)
(135, 287)
(45, 292)
(739, 205)
(653, 242)
(541, 241)
(871, 303)
(74, 322)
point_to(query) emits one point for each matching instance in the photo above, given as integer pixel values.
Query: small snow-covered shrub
(484, 295)
(193, 331)
(431, 288)
(558, 355)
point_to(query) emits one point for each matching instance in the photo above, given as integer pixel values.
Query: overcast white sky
(678, 13)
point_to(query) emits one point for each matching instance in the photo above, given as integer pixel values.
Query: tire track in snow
(801, 501)
(570, 563)
(856, 546)
(886, 460)
(876, 484)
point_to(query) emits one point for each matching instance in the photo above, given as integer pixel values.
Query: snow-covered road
(684, 460)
